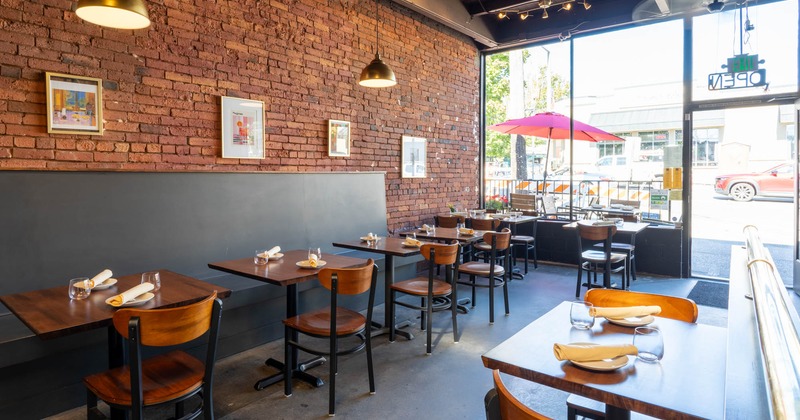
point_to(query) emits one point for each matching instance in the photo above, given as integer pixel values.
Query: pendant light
(377, 74)
(119, 14)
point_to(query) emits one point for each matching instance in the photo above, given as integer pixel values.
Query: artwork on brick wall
(74, 104)
(242, 128)
(338, 138)
(413, 163)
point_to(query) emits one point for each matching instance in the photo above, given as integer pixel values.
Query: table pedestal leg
(617, 413)
(387, 300)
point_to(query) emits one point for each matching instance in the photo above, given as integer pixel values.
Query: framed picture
(242, 128)
(338, 138)
(413, 163)
(74, 104)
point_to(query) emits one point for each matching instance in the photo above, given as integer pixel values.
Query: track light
(523, 15)
(566, 6)
(545, 15)
(501, 15)
(586, 5)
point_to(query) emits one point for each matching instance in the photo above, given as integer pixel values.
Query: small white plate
(275, 257)
(632, 321)
(597, 206)
(139, 300)
(627, 208)
(305, 264)
(106, 284)
(603, 365)
(615, 206)
(367, 238)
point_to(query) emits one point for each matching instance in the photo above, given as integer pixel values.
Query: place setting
(314, 259)
(647, 343)
(371, 239)
(139, 294)
(81, 287)
(411, 241)
(263, 256)
(464, 231)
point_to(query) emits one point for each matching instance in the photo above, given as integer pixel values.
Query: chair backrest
(349, 281)
(549, 204)
(486, 224)
(168, 327)
(672, 307)
(510, 407)
(596, 233)
(523, 201)
(440, 254)
(501, 239)
(633, 203)
(449, 221)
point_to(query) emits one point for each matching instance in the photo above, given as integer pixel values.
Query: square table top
(518, 220)
(689, 382)
(385, 246)
(285, 271)
(448, 234)
(51, 313)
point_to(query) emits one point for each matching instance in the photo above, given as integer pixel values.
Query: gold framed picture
(74, 104)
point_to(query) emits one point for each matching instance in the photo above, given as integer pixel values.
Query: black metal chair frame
(592, 267)
(494, 281)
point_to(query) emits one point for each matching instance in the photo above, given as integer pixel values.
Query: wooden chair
(481, 250)
(449, 221)
(672, 307)
(523, 202)
(169, 378)
(495, 270)
(335, 322)
(428, 289)
(593, 261)
(627, 248)
(502, 405)
(527, 243)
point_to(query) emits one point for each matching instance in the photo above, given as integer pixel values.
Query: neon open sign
(743, 72)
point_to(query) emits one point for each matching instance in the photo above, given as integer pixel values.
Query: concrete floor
(450, 384)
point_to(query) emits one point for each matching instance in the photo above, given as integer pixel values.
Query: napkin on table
(624, 312)
(590, 352)
(313, 261)
(371, 236)
(101, 278)
(130, 294)
(466, 231)
(271, 253)
(413, 242)
(426, 227)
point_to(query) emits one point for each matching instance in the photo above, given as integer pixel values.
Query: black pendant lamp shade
(377, 74)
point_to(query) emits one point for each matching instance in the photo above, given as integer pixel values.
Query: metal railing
(581, 194)
(777, 329)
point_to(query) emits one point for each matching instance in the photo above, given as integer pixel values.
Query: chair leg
(491, 298)
(633, 267)
(429, 310)
(333, 370)
(208, 401)
(535, 259)
(580, 277)
(472, 280)
(454, 313)
(91, 405)
(288, 362)
(180, 409)
(526, 258)
(391, 309)
(370, 370)
(505, 296)
(422, 323)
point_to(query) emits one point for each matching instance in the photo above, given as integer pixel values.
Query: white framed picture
(414, 157)
(338, 138)
(242, 128)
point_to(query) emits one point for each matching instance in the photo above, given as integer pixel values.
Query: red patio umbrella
(553, 125)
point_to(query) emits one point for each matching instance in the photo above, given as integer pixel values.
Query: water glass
(650, 343)
(413, 236)
(314, 253)
(152, 277)
(261, 257)
(579, 315)
(80, 288)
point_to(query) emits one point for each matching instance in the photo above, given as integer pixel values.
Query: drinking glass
(579, 315)
(314, 253)
(650, 344)
(80, 288)
(413, 236)
(152, 277)
(261, 257)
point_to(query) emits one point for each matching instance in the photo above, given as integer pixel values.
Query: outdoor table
(284, 272)
(610, 211)
(390, 247)
(50, 313)
(688, 383)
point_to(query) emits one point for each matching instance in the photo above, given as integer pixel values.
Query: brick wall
(162, 88)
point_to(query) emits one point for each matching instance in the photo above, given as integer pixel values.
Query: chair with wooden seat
(630, 247)
(502, 405)
(335, 322)
(170, 378)
(595, 261)
(481, 249)
(430, 290)
(528, 244)
(449, 221)
(672, 307)
(523, 202)
(495, 271)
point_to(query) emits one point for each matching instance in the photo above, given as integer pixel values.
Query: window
(654, 140)
(704, 146)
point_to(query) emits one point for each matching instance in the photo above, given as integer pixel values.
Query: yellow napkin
(624, 312)
(130, 294)
(313, 261)
(589, 352)
(101, 278)
(426, 227)
(413, 242)
(466, 231)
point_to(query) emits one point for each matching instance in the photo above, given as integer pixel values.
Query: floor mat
(709, 293)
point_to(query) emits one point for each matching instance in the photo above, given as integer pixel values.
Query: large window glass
(745, 32)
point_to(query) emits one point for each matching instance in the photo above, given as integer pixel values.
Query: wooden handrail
(777, 328)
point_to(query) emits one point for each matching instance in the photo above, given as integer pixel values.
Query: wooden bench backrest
(523, 201)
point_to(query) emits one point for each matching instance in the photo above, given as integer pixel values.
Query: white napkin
(130, 294)
(413, 242)
(624, 312)
(271, 253)
(589, 352)
(371, 236)
(101, 278)
(313, 261)
(426, 227)
(466, 231)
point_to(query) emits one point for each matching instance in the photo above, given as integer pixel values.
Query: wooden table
(449, 235)
(609, 211)
(390, 247)
(286, 273)
(688, 383)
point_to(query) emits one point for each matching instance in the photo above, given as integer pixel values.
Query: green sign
(659, 199)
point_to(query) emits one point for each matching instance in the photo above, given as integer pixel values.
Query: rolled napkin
(271, 252)
(130, 294)
(101, 278)
(313, 261)
(604, 223)
(466, 231)
(426, 227)
(589, 352)
(624, 312)
(371, 236)
(413, 242)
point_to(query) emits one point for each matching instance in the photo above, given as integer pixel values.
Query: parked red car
(774, 182)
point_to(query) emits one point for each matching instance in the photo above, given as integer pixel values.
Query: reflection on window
(704, 146)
